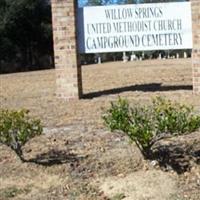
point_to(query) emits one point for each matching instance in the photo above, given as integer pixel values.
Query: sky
(83, 2)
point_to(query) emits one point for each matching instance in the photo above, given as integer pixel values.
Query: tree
(25, 30)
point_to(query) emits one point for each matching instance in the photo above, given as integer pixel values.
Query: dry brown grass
(75, 131)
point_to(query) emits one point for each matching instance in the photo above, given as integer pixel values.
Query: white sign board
(135, 27)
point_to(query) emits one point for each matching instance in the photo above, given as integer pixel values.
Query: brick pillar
(196, 45)
(68, 68)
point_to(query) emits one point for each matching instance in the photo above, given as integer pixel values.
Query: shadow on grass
(55, 157)
(152, 87)
(177, 157)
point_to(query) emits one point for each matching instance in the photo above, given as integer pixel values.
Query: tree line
(25, 35)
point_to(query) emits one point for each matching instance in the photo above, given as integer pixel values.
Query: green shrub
(148, 124)
(174, 117)
(16, 128)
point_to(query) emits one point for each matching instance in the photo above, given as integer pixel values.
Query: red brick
(68, 71)
(196, 45)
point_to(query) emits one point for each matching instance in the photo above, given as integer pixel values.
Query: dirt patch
(141, 185)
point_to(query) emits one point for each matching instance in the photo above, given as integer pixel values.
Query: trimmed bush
(17, 128)
(145, 125)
